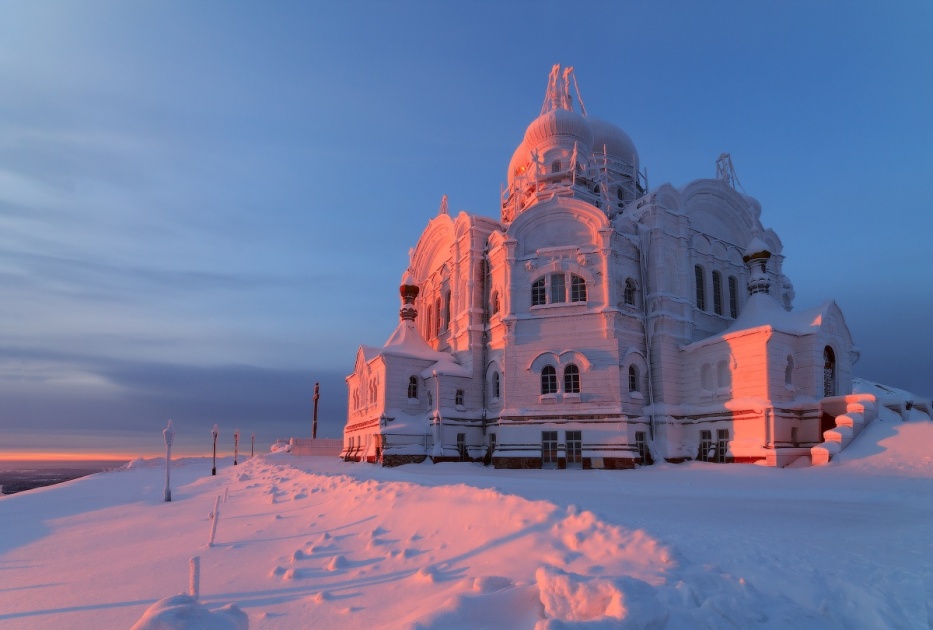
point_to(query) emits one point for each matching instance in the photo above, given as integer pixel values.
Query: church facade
(600, 324)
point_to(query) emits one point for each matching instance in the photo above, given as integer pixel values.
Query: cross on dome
(558, 91)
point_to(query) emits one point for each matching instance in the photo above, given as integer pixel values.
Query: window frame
(717, 292)
(548, 380)
(571, 379)
(539, 292)
(699, 276)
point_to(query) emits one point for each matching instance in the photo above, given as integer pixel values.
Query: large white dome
(618, 143)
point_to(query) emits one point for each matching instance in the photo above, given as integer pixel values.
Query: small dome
(558, 122)
(408, 280)
(757, 248)
(618, 143)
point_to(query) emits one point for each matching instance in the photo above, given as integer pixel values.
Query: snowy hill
(315, 542)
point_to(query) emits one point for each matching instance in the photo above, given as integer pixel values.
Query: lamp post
(236, 444)
(215, 432)
(252, 444)
(169, 434)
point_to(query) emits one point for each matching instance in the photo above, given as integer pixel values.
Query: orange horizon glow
(29, 456)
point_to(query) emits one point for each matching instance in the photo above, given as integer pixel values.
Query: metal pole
(215, 433)
(236, 445)
(317, 394)
(169, 434)
(252, 444)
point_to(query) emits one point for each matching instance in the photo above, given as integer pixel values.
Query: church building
(601, 324)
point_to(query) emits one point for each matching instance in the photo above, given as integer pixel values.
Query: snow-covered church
(600, 324)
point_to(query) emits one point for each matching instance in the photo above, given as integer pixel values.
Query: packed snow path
(313, 541)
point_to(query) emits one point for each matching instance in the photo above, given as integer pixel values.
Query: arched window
(555, 166)
(538, 293)
(413, 387)
(829, 372)
(494, 302)
(495, 385)
(571, 379)
(437, 317)
(629, 293)
(427, 323)
(701, 287)
(356, 400)
(706, 377)
(620, 194)
(717, 293)
(633, 379)
(558, 288)
(733, 297)
(577, 289)
(724, 375)
(789, 372)
(548, 380)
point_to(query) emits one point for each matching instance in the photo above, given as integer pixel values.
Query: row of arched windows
(366, 395)
(571, 379)
(553, 289)
(718, 293)
(437, 316)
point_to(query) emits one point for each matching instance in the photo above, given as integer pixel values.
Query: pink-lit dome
(558, 122)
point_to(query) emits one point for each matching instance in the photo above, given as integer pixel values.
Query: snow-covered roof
(763, 311)
(407, 342)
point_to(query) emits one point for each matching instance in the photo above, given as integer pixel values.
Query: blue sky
(206, 207)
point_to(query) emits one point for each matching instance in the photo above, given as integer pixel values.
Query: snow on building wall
(598, 324)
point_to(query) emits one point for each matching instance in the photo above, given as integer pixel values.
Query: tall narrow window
(446, 310)
(633, 378)
(548, 380)
(733, 297)
(829, 372)
(437, 318)
(458, 399)
(577, 289)
(495, 385)
(574, 448)
(558, 288)
(789, 372)
(555, 166)
(427, 323)
(494, 303)
(717, 293)
(413, 387)
(706, 446)
(571, 379)
(722, 445)
(538, 294)
(549, 449)
(629, 294)
(701, 287)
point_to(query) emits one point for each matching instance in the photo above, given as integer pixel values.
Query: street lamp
(252, 444)
(169, 434)
(236, 444)
(215, 432)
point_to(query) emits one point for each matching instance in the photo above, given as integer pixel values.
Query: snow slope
(314, 542)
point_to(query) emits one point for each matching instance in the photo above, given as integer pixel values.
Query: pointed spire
(443, 209)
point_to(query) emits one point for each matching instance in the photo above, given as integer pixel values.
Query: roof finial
(443, 208)
(558, 90)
